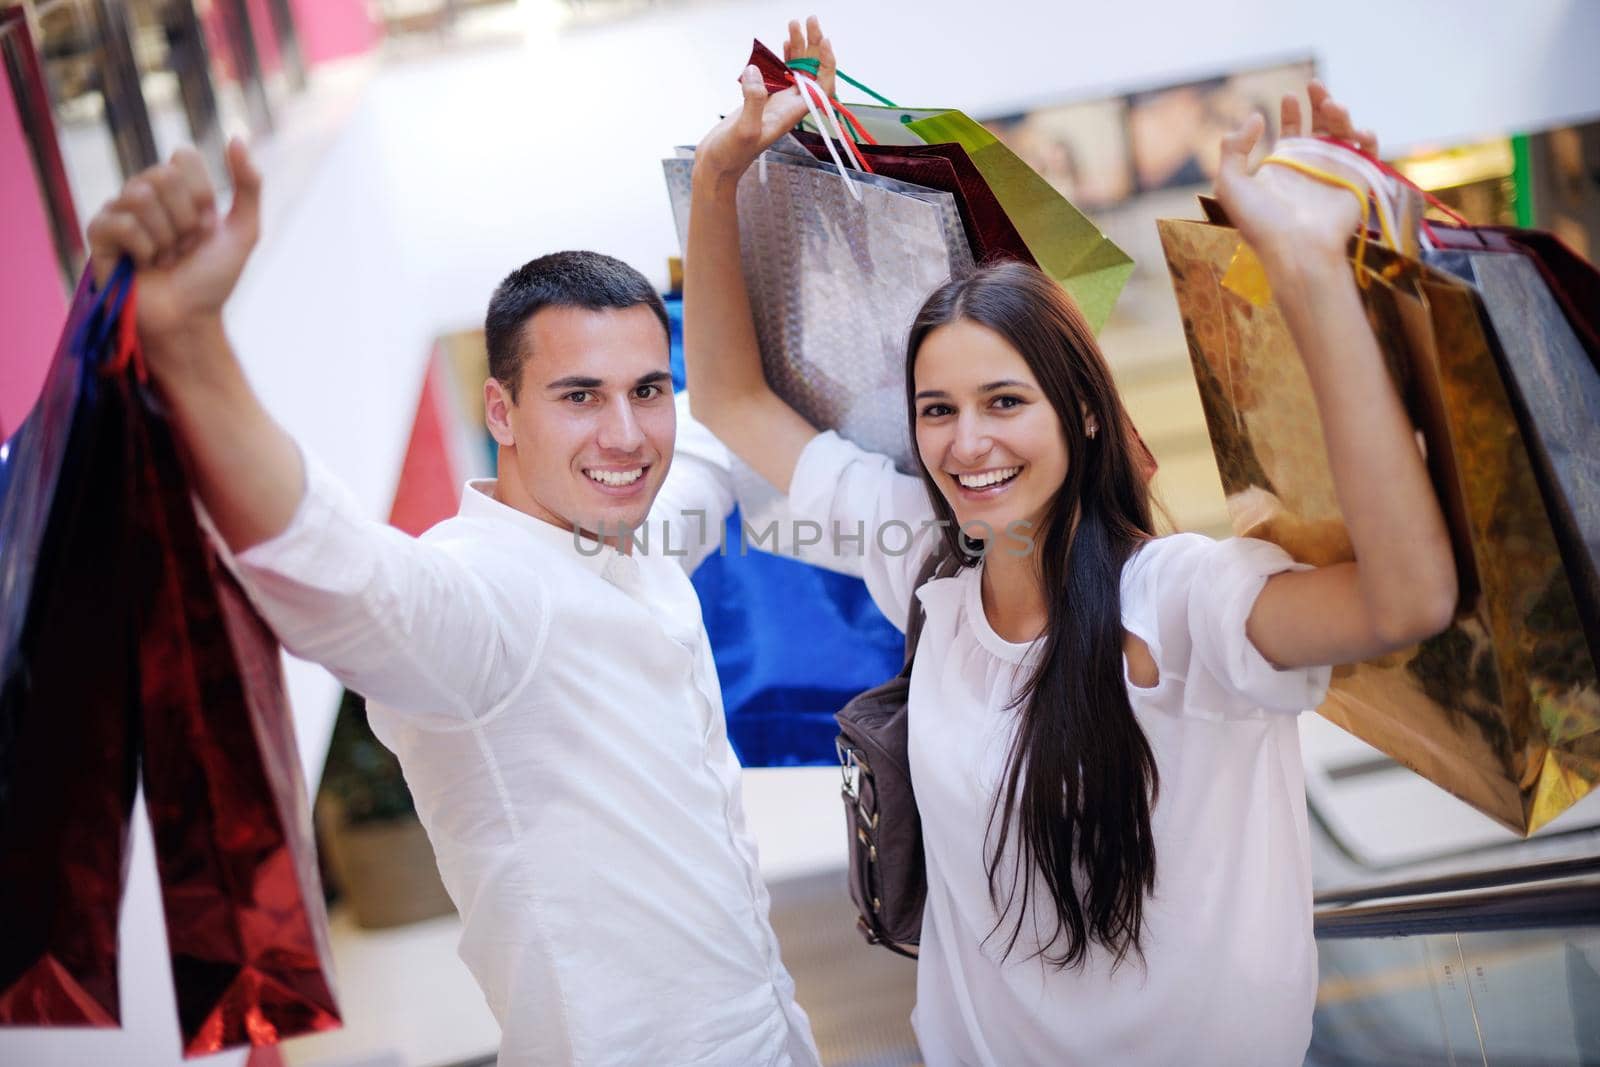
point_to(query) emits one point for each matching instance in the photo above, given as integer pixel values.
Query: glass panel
(241, 101)
(33, 297)
(1528, 998)
(73, 49)
(176, 69)
(36, 155)
(280, 73)
(459, 19)
(266, 39)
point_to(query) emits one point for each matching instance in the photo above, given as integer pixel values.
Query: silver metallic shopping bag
(835, 278)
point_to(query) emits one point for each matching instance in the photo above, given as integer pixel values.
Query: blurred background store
(416, 150)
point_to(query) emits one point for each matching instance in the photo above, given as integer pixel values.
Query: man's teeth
(987, 478)
(617, 478)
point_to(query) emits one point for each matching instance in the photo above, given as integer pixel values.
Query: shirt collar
(478, 502)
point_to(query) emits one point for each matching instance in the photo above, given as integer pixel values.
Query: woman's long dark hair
(1081, 779)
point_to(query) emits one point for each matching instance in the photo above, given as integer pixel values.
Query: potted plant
(375, 846)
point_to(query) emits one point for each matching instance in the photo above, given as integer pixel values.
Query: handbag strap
(941, 564)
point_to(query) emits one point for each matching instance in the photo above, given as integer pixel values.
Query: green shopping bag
(1069, 247)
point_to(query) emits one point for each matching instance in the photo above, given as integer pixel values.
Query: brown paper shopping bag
(1502, 709)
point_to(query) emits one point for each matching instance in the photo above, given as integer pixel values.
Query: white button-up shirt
(1229, 974)
(557, 715)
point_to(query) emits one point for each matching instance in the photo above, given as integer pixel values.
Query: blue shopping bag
(792, 642)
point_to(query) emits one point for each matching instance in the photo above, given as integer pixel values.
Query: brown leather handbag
(888, 879)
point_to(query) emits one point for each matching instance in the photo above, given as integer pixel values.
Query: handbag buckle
(849, 770)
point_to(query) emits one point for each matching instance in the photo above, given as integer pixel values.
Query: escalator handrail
(1521, 907)
(1451, 883)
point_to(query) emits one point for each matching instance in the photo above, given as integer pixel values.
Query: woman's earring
(1091, 431)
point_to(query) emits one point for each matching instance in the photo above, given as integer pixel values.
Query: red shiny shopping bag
(135, 641)
(228, 804)
(67, 744)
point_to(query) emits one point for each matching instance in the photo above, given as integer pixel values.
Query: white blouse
(1230, 963)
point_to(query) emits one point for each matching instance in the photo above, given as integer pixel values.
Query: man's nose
(619, 428)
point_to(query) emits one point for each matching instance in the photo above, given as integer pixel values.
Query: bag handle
(1363, 177)
(941, 564)
(1382, 175)
(807, 87)
(95, 329)
(1395, 173)
(128, 350)
(802, 75)
(1385, 194)
(858, 131)
(1359, 192)
(811, 66)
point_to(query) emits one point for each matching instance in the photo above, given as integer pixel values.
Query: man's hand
(727, 151)
(187, 258)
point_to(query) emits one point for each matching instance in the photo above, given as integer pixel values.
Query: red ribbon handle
(777, 77)
(128, 350)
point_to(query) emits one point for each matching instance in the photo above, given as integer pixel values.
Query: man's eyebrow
(653, 378)
(575, 382)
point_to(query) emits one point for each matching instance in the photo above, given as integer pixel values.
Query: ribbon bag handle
(114, 312)
(95, 330)
(1395, 173)
(1386, 194)
(1358, 191)
(1245, 275)
(814, 97)
(812, 66)
(127, 351)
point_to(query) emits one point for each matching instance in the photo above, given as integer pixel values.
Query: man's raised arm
(379, 609)
(247, 469)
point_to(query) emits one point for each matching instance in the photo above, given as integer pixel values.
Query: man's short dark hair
(586, 280)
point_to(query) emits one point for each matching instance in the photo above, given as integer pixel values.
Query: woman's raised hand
(732, 145)
(1282, 213)
(1329, 118)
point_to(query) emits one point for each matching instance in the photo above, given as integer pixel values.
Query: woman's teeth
(987, 478)
(616, 479)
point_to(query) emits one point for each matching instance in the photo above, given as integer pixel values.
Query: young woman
(1102, 727)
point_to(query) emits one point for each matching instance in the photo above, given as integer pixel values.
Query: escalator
(1484, 950)
(1492, 967)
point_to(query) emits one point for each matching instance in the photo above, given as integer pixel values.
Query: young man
(550, 695)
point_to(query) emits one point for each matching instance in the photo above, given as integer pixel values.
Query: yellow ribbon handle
(1357, 191)
(1245, 275)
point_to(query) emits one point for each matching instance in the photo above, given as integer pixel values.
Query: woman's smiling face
(985, 430)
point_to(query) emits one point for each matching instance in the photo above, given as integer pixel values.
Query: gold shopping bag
(1502, 709)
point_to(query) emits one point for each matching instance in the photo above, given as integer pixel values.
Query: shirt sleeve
(865, 506)
(696, 499)
(1189, 598)
(400, 620)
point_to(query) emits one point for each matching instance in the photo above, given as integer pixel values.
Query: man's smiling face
(588, 440)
